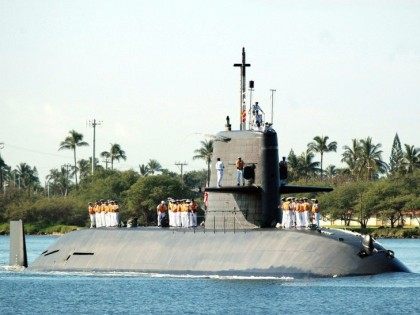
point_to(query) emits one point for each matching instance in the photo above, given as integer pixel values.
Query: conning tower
(254, 205)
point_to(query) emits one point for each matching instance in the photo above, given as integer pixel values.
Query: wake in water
(122, 274)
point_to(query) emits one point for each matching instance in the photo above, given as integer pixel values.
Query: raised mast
(242, 104)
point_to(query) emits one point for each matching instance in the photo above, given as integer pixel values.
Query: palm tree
(371, 158)
(107, 156)
(205, 153)
(28, 176)
(351, 155)
(307, 167)
(154, 166)
(293, 165)
(320, 145)
(115, 153)
(3, 167)
(144, 170)
(85, 167)
(58, 180)
(411, 158)
(331, 171)
(70, 143)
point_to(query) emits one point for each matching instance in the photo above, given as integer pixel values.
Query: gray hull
(256, 252)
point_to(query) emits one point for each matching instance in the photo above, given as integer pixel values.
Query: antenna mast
(242, 104)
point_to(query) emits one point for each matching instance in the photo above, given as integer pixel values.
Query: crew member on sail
(240, 171)
(220, 167)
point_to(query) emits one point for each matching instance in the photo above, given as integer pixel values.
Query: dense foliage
(137, 195)
(366, 187)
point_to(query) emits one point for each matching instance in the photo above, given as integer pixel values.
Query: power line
(36, 151)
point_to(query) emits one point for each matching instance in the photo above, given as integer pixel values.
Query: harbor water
(22, 292)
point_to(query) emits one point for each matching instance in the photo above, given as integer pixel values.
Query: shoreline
(376, 232)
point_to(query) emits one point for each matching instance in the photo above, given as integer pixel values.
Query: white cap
(162, 201)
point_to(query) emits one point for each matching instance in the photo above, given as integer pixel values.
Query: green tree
(411, 158)
(307, 167)
(71, 142)
(144, 170)
(195, 180)
(205, 152)
(371, 159)
(84, 167)
(320, 145)
(396, 158)
(28, 176)
(116, 154)
(106, 184)
(293, 166)
(154, 166)
(147, 192)
(107, 156)
(347, 203)
(58, 181)
(4, 168)
(331, 171)
(351, 156)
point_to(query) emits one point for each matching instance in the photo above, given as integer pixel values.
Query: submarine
(242, 235)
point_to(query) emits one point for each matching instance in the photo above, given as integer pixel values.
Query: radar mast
(242, 103)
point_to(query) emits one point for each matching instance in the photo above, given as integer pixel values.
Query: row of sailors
(300, 213)
(104, 213)
(181, 213)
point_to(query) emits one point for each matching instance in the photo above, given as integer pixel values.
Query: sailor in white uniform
(220, 167)
(257, 117)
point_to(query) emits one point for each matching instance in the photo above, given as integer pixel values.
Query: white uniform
(171, 214)
(98, 216)
(257, 117)
(286, 215)
(220, 167)
(92, 217)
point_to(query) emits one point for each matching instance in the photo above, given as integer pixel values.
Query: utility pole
(106, 163)
(93, 124)
(242, 104)
(272, 104)
(181, 166)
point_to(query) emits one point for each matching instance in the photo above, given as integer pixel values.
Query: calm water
(22, 292)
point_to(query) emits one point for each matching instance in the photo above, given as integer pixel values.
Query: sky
(159, 75)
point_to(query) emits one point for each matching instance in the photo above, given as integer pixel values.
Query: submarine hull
(258, 252)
